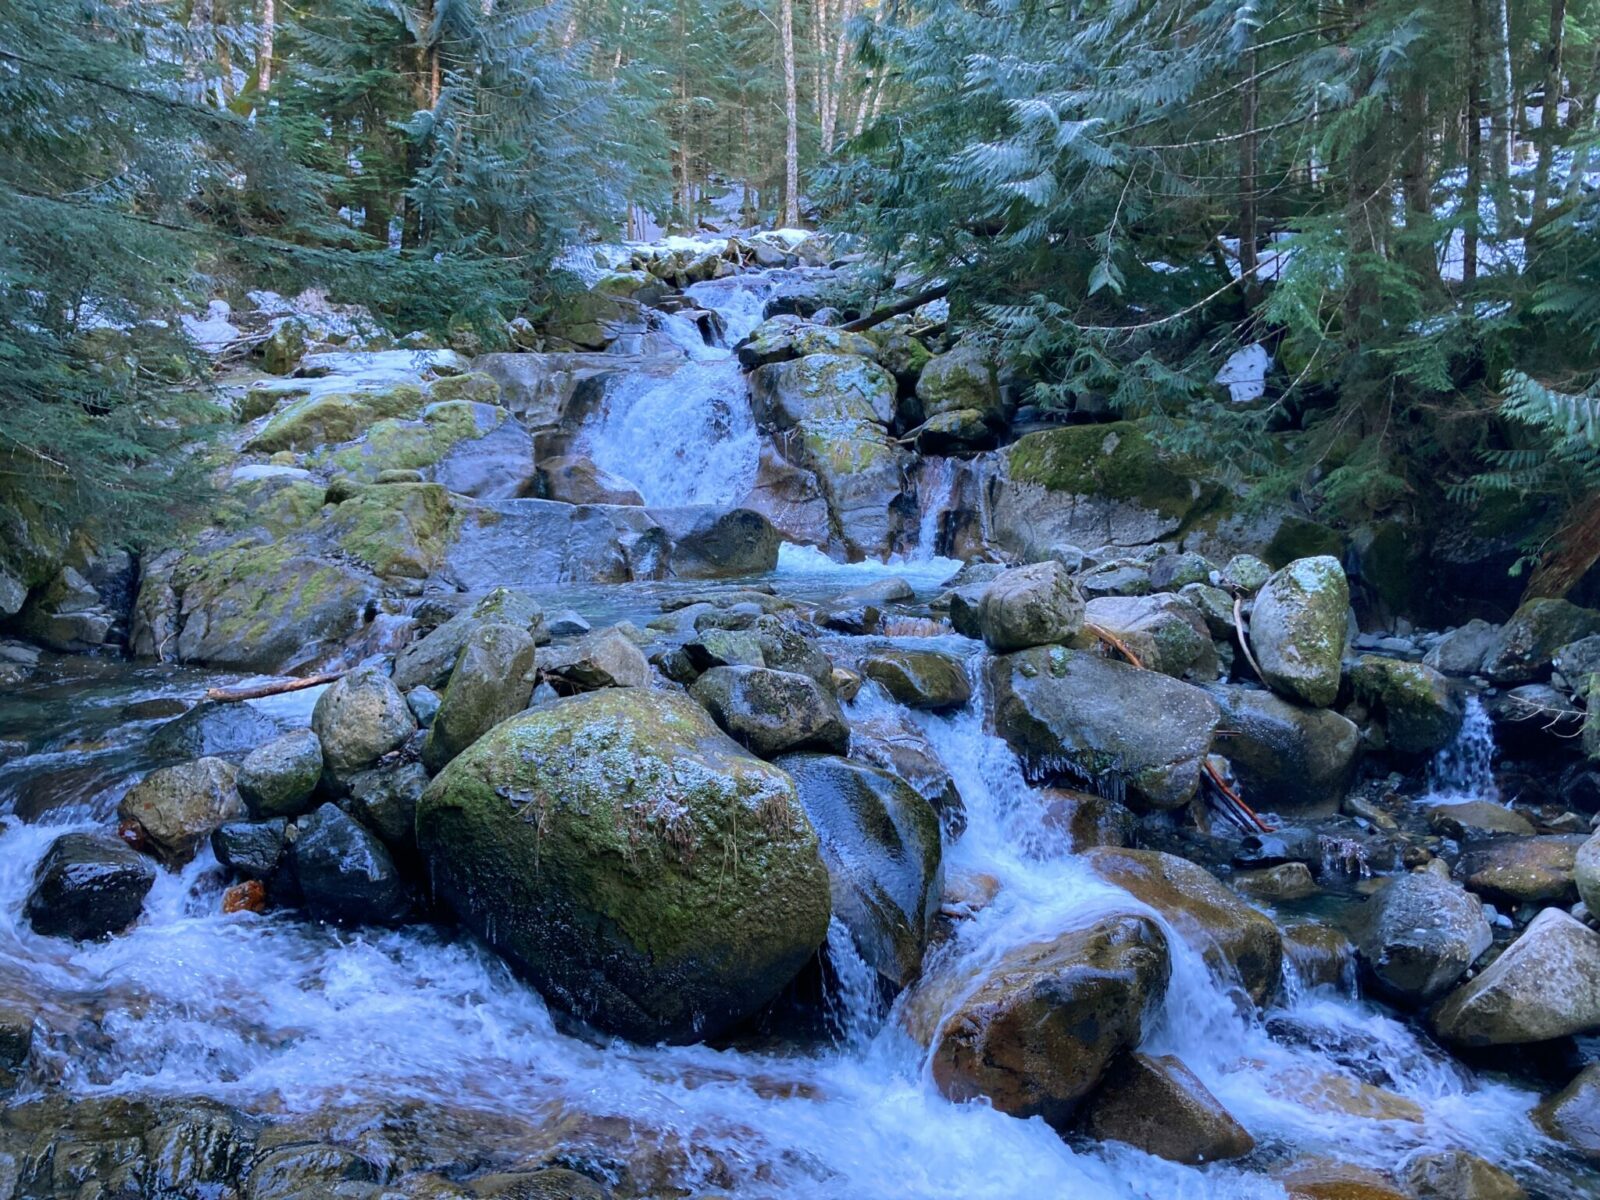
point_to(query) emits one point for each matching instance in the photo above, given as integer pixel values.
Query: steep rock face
(1073, 713)
(644, 871)
(1298, 628)
(1038, 1033)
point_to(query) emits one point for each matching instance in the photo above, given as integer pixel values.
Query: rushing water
(276, 1015)
(1464, 770)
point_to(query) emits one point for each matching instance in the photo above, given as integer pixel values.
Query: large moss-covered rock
(880, 841)
(1166, 632)
(1237, 941)
(492, 681)
(920, 678)
(179, 807)
(398, 530)
(1545, 985)
(471, 448)
(962, 378)
(1420, 709)
(277, 779)
(1035, 605)
(1420, 934)
(1530, 639)
(1090, 719)
(326, 418)
(1287, 757)
(644, 871)
(1298, 627)
(773, 712)
(1036, 1035)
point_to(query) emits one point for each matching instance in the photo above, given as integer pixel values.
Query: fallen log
(879, 315)
(261, 691)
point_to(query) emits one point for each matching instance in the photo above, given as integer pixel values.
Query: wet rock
(1288, 758)
(963, 379)
(1545, 985)
(1037, 605)
(961, 431)
(966, 609)
(1092, 720)
(880, 843)
(892, 742)
(299, 1172)
(1420, 710)
(1472, 819)
(1463, 650)
(552, 1183)
(1319, 956)
(714, 647)
(1419, 935)
(1297, 629)
(791, 498)
(1157, 1105)
(605, 659)
(385, 799)
(1523, 870)
(1246, 573)
(277, 779)
(576, 479)
(87, 887)
(492, 681)
(211, 727)
(1572, 1115)
(1325, 1179)
(772, 712)
(250, 849)
(923, 679)
(1119, 578)
(642, 869)
(1237, 941)
(16, 1041)
(1086, 819)
(1458, 1175)
(428, 662)
(1586, 873)
(345, 874)
(1530, 639)
(713, 543)
(1036, 1036)
(424, 704)
(197, 1148)
(178, 807)
(359, 719)
(1165, 633)
(1286, 881)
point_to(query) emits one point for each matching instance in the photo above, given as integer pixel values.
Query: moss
(1298, 538)
(474, 385)
(843, 447)
(1117, 461)
(398, 530)
(392, 445)
(280, 506)
(1420, 710)
(331, 417)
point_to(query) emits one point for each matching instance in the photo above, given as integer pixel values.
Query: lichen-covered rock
(644, 871)
(833, 388)
(1545, 985)
(327, 418)
(429, 661)
(880, 843)
(1158, 1105)
(960, 431)
(1530, 639)
(606, 658)
(781, 338)
(277, 779)
(1523, 870)
(923, 679)
(1421, 711)
(397, 530)
(88, 886)
(359, 719)
(1035, 605)
(1237, 941)
(1165, 632)
(1298, 627)
(1462, 651)
(492, 682)
(1036, 1035)
(1420, 934)
(471, 448)
(178, 807)
(1089, 719)
(1288, 758)
(344, 873)
(773, 712)
(962, 378)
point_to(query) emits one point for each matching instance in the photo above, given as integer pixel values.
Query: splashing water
(1464, 770)
(936, 485)
(855, 1007)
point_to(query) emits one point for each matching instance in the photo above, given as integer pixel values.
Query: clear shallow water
(275, 1015)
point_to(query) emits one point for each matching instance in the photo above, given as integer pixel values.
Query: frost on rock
(216, 332)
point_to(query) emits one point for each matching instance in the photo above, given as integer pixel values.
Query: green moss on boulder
(1117, 461)
(327, 418)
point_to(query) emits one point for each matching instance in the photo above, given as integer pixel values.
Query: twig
(224, 696)
(1244, 642)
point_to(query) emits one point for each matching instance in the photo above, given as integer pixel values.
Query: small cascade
(1464, 770)
(855, 1004)
(936, 487)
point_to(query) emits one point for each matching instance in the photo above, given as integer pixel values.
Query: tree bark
(1500, 118)
(264, 54)
(879, 315)
(1577, 548)
(1549, 111)
(1472, 199)
(1247, 184)
(791, 155)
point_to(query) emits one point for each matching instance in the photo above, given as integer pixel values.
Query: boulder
(1174, 572)
(1246, 573)
(344, 873)
(492, 681)
(1317, 955)
(88, 886)
(1157, 1105)
(1328, 1179)
(961, 431)
(880, 843)
(1459, 1175)
(1419, 935)
(963, 378)
(1572, 1115)
(1473, 819)
(1085, 819)
(429, 661)
(1523, 870)
(1036, 1034)
(250, 849)
(1529, 640)
(325, 417)
(385, 800)
(772, 712)
(1586, 873)
(277, 779)
(1421, 711)
(577, 479)
(1165, 632)
(1238, 942)
(178, 807)
(643, 870)
(1271, 885)
(1297, 629)
(923, 679)
(891, 741)
(360, 718)
(1093, 720)
(1545, 985)
(1287, 758)
(1036, 605)
(1463, 650)
(713, 543)
(791, 498)
(606, 658)
(212, 727)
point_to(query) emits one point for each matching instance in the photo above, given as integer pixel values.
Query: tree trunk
(1500, 109)
(1472, 200)
(1549, 111)
(264, 54)
(1577, 548)
(820, 36)
(791, 154)
(1247, 184)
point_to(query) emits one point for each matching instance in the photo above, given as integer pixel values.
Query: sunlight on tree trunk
(791, 154)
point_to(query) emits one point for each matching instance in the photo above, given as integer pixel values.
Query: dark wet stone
(88, 886)
(250, 849)
(213, 728)
(345, 874)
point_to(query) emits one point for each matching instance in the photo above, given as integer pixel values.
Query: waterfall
(855, 1007)
(1464, 770)
(936, 486)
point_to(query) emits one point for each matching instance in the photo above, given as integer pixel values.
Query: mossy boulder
(1530, 639)
(824, 387)
(492, 682)
(397, 530)
(960, 431)
(1298, 628)
(279, 505)
(1420, 709)
(1035, 605)
(772, 712)
(359, 719)
(924, 679)
(179, 807)
(473, 386)
(326, 418)
(782, 338)
(962, 378)
(647, 874)
(1166, 632)
(395, 445)
(277, 779)
(428, 661)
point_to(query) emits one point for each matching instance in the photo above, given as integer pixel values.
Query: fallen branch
(224, 696)
(1244, 642)
(889, 311)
